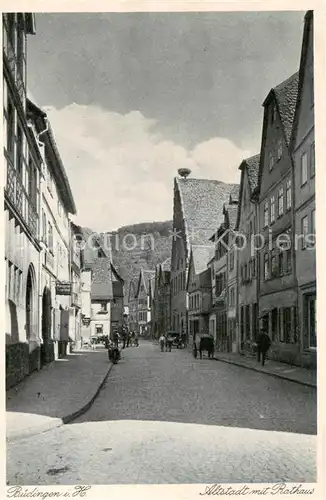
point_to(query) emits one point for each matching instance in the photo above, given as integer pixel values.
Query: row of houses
(243, 255)
(58, 292)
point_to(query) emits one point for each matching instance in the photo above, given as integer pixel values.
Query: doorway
(30, 303)
(46, 326)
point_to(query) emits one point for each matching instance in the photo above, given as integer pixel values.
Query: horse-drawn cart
(203, 342)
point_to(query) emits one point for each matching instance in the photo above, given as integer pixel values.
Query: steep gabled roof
(116, 274)
(234, 195)
(308, 26)
(144, 277)
(285, 94)
(54, 160)
(152, 285)
(251, 166)
(132, 291)
(201, 255)
(101, 288)
(202, 203)
(231, 212)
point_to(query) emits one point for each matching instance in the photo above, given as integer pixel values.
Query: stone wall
(20, 362)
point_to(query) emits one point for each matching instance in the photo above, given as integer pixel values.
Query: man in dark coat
(263, 344)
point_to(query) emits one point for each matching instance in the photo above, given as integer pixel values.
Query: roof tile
(201, 255)
(203, 202)
(286, 94)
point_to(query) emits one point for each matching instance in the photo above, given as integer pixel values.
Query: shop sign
(63, 288)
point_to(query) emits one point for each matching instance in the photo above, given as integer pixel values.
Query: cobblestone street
(168, 418)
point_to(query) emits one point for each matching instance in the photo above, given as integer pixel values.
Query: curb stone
(59, 422)
(276, 375)
(81, 411)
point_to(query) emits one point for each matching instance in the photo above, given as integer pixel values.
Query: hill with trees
(139, 246)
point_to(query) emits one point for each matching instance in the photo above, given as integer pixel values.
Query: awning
(285, 298)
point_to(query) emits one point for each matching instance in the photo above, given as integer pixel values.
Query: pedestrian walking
(263, 344)
(116, 337)
(168, 343)
(162, 342)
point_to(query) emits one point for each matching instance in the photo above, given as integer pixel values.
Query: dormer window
(273, 113)
(279, 149)
(271, 161)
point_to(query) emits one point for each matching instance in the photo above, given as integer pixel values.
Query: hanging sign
(63, 288)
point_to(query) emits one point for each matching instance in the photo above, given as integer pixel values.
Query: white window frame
(280, 204)
(312, 161)
(272, 205)
(279, 149)
(304, 231)
(266, 214)
(304, 169)
(288, 194)
(266, 266)
(271, 161)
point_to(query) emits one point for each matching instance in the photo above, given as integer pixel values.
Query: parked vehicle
(203, 342)
(175, 339)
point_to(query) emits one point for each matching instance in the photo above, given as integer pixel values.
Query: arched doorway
(30, 303)
(46, 354)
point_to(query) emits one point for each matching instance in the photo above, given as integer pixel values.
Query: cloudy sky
(133, 97)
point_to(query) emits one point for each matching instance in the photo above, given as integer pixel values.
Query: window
(281, 263)
(272, 209)
(274, 265)
(280, 201)
(287, 326)
(279, 149)
(271, 161)
(50, 236)
(312, 160)
(288, 194)
(313, 222)
(266, 214)
(231, 263)
(266, 266)
(44, 233)
(254, 267)
(288, 261)
(304, 231)
(104, 307)
(304, 169)
(10, 283)
(20, 146)
(32, 185)
(18, 277)
(10, 127)
(49, 181)
(232, 297)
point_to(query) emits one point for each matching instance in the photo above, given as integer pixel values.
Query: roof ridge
(285, 82)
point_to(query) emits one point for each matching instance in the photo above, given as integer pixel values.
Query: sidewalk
(56, 394)
(296, 374)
